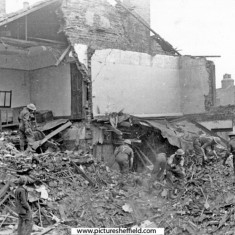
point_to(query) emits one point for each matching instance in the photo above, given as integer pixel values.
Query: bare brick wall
(101, 25)
(141, 7)
(95, 23)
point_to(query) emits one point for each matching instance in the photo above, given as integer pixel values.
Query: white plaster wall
(51, 89)
(18, 82)
(135, 82)
(194, 84)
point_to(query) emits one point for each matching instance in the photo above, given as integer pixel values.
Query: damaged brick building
(105, 39)
(85, 58)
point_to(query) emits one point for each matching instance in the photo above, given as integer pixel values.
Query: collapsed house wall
(197, 85)
(135, 82)
(50, 89)
(141, 84)
(16, 81)
(102, 25)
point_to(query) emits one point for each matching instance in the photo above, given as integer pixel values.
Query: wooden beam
(63, 55)
(46, 40)
(4, 189)
(18, 42)
(216, 56)
(82, 173)
(37, 144)
(144, 156)
(26, 12)
(143, 22)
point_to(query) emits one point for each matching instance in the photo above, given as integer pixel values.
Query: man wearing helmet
(124, 156)
(25, 129)
(204, 147)
(231, 149)
(176, 164)
(23, 209)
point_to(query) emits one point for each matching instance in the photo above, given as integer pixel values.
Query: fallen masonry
(72, 189)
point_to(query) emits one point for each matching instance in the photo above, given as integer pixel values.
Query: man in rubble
(124, 156)
(25, 222)
(204, 147)
(159, 170)
(25, 128)
(175, 164)
(231, 149)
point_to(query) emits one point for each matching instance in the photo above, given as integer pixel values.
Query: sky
(194, 27)
(199, 27)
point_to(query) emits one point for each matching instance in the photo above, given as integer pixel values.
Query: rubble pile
(72, 189)
(205, 205)
(68, 188)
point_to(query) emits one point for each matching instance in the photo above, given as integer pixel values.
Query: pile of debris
(72, 189)
(69, 188)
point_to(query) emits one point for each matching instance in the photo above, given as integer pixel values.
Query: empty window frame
(5, 99)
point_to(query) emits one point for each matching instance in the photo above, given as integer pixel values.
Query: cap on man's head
(127, 141)
(31, 107)
(179, 152)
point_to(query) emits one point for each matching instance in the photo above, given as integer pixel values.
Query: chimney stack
(2, 7)
(25, 5)
(227, 81)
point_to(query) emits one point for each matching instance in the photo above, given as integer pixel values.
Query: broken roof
(5, 19)
(99, 24)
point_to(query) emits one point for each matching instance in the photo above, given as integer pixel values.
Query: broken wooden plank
(82, 173)
(144, 156)
(4, 190)
(37, 144)
(4, 220)
(46, 40)
(39, 212)
(4, 199)
(19, 42)
(141, 159)
(143, 22)
(63, 55)
(12, 211)
(47, 230)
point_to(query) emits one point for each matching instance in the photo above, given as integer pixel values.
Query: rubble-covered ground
(71, 189)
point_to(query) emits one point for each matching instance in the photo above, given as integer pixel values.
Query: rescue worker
(204, 147)
(158, 170)
(25, 222)
(175, 164)
(25, 129)
(124, 156)
(231, 149)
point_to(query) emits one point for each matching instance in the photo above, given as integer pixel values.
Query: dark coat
(21, 197)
